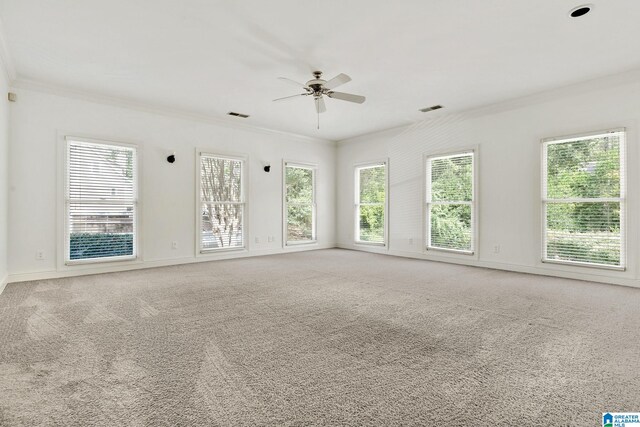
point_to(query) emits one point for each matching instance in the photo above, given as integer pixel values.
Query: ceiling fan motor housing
(316, 84)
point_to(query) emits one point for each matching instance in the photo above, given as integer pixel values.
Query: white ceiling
(210, 57)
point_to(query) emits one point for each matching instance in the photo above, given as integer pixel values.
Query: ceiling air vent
(232, 113)
(433, 107)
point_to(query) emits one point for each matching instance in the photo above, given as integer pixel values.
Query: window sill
(584, 264)
(301, 243)
(449, 251)
(221, 250)
(105, 260)
(379, 245)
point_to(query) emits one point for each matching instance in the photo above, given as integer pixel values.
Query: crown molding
(599, 83)
(6, 61)
(392, 131)
(586, 86)
(67, 92)
(552, 94)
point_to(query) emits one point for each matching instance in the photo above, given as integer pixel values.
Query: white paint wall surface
(167, 199)
(508, 162)
(4, 178)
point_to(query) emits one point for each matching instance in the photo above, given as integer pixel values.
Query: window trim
(244, 185)
(136, 256)
(426, 218)
(356, 194)
(622, 199)
(314, 168)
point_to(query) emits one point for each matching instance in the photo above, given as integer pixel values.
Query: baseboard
(54, 274)
(112, 268)
(3, 283)
(553, 272)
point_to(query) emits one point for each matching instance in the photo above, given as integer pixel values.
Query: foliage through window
(450, 202)
(371, 184)
(221, 203)
(583, 199)
(300, 209)
(101, 201)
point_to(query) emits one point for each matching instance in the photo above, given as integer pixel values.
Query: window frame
(66, 202)
(244, 188)
(544, 143)
(426, 193)
(356, 215)
(285, 213)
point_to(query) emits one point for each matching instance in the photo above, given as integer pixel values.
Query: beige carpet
(328, 337)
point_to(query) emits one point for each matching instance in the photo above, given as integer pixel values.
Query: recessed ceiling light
(579, 11)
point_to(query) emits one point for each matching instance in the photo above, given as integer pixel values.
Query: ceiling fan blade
(320, 107)
(293, 82)
(338, 80)
(289, 97)
(347, 97)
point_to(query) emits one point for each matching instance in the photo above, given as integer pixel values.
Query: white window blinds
(371, 185)
(101, 201)
(222, 203)
(450, 209)
(300, 205)
(583, 199)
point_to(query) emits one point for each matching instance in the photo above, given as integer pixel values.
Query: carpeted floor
(328, 337)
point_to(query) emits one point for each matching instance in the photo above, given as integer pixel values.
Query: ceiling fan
(318, 88)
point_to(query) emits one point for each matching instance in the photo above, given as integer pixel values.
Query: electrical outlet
(174, 245)
(271, 239)
(411, 240)
(40, 255)
(496, 249)
(257, 240)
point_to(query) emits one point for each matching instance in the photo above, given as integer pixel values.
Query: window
(222, 204)
(371, 189)
(101, 202)
(450, 207)
(299, 204)
(583, 200)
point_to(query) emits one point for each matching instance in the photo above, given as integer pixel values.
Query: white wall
(508, 139)
(507, 136)
(41, 119)
(4, 177)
